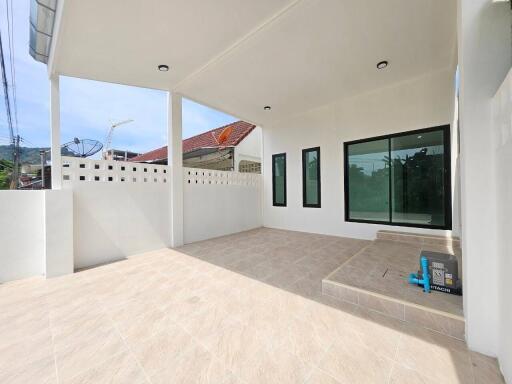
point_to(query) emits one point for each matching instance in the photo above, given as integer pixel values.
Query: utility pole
(42, 153)
(16, 163)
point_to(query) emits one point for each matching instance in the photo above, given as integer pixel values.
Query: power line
(10, 37)
(6, 90)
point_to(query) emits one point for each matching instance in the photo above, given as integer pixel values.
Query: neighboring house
(241, 151)
(119, 155)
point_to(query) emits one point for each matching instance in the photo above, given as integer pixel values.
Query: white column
(175, 160)
(55, 132)
(484, 53)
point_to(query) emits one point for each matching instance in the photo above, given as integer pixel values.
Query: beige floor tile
(26, 351)
(87, 352)
(403, 375)
(157, 352)
(138, 329)
(351, 362)
(186, 316)
(274, 366)
(15, 330)
(194, 366)
(433, 359)
(80, 330)
(304, 340)
(130, 309)
(207, 321)
(41, 371)
(486, 369)
(319, 377)
(119, 369)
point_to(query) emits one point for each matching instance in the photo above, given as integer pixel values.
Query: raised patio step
(439, 321)
(414, 238)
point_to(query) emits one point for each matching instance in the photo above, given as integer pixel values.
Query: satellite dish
(82, 147)
(224, 135)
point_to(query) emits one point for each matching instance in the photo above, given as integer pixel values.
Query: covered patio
(386, 131)
(244, 308)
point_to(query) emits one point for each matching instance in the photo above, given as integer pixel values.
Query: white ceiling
(240, 55)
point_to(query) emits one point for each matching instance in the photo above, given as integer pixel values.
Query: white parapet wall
(119, 208)
(218, 203)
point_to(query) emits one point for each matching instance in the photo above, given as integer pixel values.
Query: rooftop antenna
(108, 140)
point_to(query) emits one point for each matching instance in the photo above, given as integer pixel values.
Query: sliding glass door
(401, 179)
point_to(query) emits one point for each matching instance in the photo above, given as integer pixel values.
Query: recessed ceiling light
(267, 107)
(419, 137)
(163, 68)
(382, 64)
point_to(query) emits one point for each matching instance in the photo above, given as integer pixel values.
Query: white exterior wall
(485, 57)
(249, 148)
(424, 102)
(502, 130)
(21, 235)
(218, 203)
(36, 236)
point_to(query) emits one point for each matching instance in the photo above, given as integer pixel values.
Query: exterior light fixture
(163, 68)
(382, 64)
(267, 107)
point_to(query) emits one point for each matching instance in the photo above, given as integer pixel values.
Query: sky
(88, 107)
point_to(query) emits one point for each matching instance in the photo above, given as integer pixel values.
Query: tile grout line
(54, 352)
(130, 351)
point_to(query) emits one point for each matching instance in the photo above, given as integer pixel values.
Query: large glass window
(279, 180)
(401, 179)
(311, 177)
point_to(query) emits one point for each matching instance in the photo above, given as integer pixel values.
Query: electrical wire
(6, 91)
(10, 37)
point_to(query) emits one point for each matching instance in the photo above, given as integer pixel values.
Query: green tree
(5, 173)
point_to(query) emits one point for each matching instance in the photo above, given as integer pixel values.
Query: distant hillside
(28, 155)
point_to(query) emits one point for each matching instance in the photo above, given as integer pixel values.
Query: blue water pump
(425, 281)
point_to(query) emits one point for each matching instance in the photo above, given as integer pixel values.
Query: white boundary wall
(218, 203)
(36, 234)
(22, 234)
(123, 208)
(119, 208)
(502, 130)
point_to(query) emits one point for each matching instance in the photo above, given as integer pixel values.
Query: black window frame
(447, 179)
(318, 187)
(274, 203)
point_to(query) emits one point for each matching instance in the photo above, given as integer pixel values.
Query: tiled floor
(170, 317)
(384, 266)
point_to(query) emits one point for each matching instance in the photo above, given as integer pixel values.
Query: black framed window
(279, 180)
(401, 179)
(311, 190)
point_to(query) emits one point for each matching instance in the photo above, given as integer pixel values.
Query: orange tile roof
(204, 140)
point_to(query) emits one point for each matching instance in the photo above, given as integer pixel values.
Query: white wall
(35, 234)
(58, 230)
(218, 203)
(502, 140)
(249, 148)
(115, 220)
(420, 103)
(21, 234)
(485, 57)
